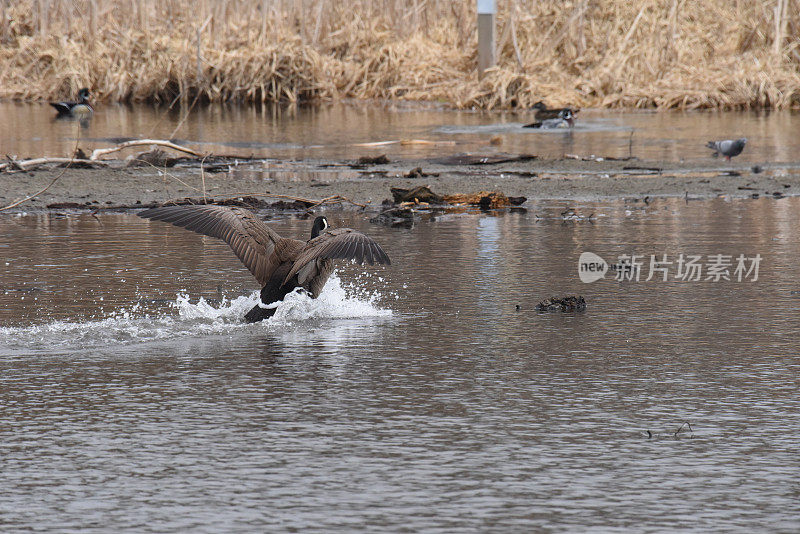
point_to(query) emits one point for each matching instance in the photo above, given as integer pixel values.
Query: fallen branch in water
(21, 165)
(310, 203)
(144, 142)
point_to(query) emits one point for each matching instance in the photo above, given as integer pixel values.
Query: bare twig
(57, 178)
(686, 424)
(203, 178)
(18, 202)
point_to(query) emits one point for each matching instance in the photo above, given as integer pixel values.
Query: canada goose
(81, 109)
(279, 264)
(728, 148)
(564, 119)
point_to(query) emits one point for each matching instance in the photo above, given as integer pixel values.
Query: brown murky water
(330, 131)
(413, 397)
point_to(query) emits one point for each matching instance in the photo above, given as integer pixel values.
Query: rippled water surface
(337, 130)
(414, 397)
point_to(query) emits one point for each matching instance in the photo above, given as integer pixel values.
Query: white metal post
(486, 35)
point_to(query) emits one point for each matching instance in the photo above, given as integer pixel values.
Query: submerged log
(472, 159)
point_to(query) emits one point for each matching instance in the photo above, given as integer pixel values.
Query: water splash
(136, 324)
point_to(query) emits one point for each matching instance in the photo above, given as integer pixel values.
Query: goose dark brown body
(279, 264)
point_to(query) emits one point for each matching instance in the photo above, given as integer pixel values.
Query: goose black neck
(320, 224)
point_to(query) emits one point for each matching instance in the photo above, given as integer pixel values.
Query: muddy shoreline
(121, 187)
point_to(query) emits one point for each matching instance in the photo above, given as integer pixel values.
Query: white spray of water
(200, 318)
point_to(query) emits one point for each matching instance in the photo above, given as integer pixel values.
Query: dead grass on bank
(656, 53)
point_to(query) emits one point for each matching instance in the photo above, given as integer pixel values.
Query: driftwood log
(97, 153)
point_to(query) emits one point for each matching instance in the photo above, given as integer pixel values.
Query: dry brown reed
(605, 53)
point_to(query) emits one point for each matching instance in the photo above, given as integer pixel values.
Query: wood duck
(563, 119)
(542, 112)
(81, 109)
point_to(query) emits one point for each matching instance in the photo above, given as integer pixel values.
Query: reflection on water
(330, 131)
(440, 406)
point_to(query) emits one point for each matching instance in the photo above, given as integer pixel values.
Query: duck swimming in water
(564, 119)
(81, 109)
(279, 264)
(542, 114)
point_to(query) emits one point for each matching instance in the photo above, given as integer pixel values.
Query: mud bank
(568, 179)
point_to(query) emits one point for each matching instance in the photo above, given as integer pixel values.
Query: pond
(428, 395)
(334, 130)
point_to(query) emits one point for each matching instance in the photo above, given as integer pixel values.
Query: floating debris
(570, 303)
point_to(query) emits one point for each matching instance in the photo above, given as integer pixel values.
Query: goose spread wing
(340, 243)
(259, 247)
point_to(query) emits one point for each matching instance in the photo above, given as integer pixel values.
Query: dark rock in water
(377, 160)
(417, 172)
(417, 194)
(566, 304)
(516, 201)
(756, 169)
(395, 217)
